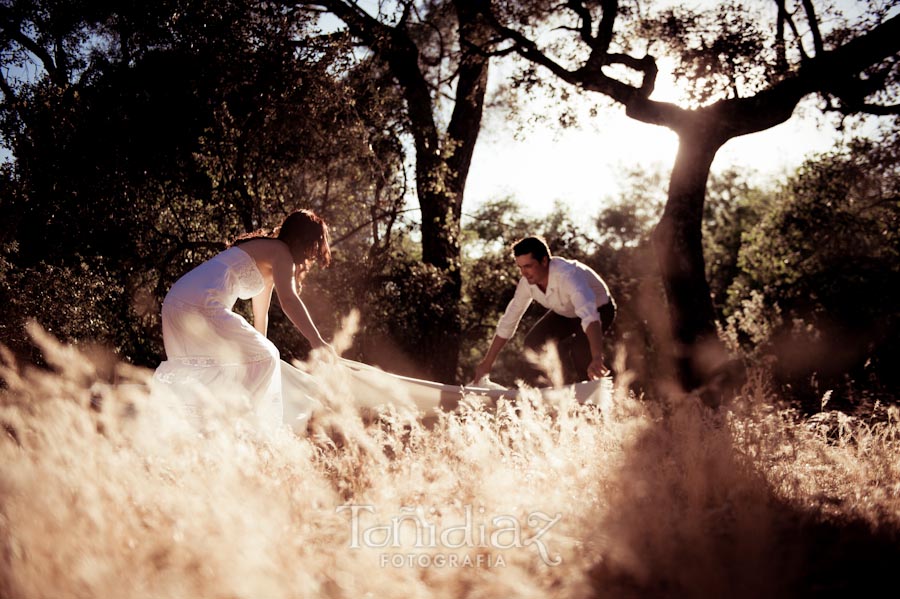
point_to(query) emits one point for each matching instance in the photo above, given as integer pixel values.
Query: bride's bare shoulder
(265, 248)
(268, 253)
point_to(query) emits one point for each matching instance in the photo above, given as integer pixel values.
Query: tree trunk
(677, 240)
(441, 174)
(440, 248)
(442, 162)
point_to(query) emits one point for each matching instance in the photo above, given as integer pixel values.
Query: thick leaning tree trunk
(677, 241)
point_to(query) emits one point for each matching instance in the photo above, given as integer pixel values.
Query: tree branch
(40, 53)
(873, 109)
(813, 21)
(804, 57)
(591, 77)
(780, 53)
(607, 25)
(408, 9)
(528, 49)
(586, 28)
(471, 87)
(7, 90)
(855, 56)
(360, 23)
(775, 105)
(394, 46)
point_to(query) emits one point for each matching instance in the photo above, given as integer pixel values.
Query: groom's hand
(481, 371)
(597, 369)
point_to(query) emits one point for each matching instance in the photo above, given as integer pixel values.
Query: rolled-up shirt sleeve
(583, 299)
(516, 308)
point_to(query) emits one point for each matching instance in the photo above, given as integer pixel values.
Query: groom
(579, 306)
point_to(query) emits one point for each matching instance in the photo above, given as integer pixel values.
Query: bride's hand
(326, 354)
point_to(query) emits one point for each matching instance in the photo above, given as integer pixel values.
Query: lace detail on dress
(251, 280)
(209, 362)
(216, 310)
(182, 367)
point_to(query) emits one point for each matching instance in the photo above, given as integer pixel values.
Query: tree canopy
(176, 127)
(436, 53)
(745, 68)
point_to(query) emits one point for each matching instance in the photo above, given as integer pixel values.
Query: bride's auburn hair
(306, 235)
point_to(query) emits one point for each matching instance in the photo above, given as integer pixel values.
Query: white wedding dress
(215, 360)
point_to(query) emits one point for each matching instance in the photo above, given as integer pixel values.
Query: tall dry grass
(103, 493)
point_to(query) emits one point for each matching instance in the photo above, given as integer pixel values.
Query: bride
(211, 349)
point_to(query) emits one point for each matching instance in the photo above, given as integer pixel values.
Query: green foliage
(733, 206)
(628, 221)
(184, 125)
(820, 263)
(724, 52)
(397, 308)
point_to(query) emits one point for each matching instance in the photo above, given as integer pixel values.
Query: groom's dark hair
(536, 246)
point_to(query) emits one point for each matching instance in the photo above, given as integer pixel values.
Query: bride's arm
(261, 303)
(283, 277)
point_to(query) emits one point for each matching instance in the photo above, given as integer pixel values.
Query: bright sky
(581, 166)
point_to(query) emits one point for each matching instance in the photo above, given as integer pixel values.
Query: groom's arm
(483, 368)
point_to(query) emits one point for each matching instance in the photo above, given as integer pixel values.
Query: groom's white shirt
(573, 290)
